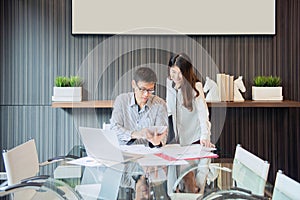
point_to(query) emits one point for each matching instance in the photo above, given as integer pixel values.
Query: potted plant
(267, 88)
(67, 89)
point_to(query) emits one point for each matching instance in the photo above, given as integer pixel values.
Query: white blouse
(189, 126)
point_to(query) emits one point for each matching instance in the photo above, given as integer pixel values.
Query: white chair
(249, 175)
(285, 188)
(22, 166)
(249, 172)
(106, 126)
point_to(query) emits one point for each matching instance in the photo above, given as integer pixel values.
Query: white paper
(88, 162)
(139, 149)
(194, 151)
(208, 148)
(153, 160)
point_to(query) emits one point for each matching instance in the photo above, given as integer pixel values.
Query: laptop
(103, 145)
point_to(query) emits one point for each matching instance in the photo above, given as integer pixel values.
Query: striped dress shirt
(127, 117)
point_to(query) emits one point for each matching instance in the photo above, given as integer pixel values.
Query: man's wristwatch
(155, 146)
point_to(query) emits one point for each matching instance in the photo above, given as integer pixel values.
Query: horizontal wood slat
(247, 103)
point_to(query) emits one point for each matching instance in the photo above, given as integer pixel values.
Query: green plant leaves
(63, 81)
(267, 81)
(75, 81)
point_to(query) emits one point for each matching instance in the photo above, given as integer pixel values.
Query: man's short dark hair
(145, 74)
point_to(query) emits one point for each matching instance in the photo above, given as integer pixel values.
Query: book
(226, 85)
(231, 89)
(221, 86)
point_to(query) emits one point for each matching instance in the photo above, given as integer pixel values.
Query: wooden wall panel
(37, 45)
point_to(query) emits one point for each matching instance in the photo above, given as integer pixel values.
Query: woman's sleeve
(203, 113)
(162, 119)
(169, 96)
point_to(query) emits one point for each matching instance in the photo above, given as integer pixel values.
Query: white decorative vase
(267, 93)
(67, 94)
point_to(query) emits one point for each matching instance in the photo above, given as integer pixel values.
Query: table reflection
(131, 180)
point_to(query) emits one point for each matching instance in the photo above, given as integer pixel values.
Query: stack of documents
(177, 155)
(191, 152)
(173, 154)
(154, 160)
(139, 149)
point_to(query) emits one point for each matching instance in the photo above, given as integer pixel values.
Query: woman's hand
(207, 143)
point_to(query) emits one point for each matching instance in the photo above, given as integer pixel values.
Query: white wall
(197, 17)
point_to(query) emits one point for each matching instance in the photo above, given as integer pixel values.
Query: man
(133, 112)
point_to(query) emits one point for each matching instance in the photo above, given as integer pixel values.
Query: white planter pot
(267, 93)
(67, 94)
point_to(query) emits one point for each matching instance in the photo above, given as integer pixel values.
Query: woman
(186, 104)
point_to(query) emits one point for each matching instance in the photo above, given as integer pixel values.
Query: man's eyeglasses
(143, 90)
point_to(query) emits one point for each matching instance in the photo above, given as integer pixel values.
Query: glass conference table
(146, 177)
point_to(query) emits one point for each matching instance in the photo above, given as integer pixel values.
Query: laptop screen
(101, 144)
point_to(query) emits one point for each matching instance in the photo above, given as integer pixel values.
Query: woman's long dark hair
(188, 86)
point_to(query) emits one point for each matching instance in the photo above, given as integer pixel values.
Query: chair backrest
(21, 162)
(285, 187)
(106, 126)
(249, 171)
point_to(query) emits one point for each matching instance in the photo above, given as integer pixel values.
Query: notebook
(103, 146)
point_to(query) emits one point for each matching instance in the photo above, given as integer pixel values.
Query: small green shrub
(267, 81)
(63, 81)
(75, 81)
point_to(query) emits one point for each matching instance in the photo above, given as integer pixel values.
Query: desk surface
(103, 178)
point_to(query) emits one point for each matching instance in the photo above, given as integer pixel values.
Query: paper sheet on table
(153, 160)
(177, 152)
(86, 161)
(139, 149)
(91, 162)
(208, 148)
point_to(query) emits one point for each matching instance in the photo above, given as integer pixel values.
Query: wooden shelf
(246, 104)
(84, 104)
(262, 104)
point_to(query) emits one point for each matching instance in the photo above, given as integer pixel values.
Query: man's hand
(140, 134)
(156, 138)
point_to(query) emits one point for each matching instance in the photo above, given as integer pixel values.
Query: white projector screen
(191, 17)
